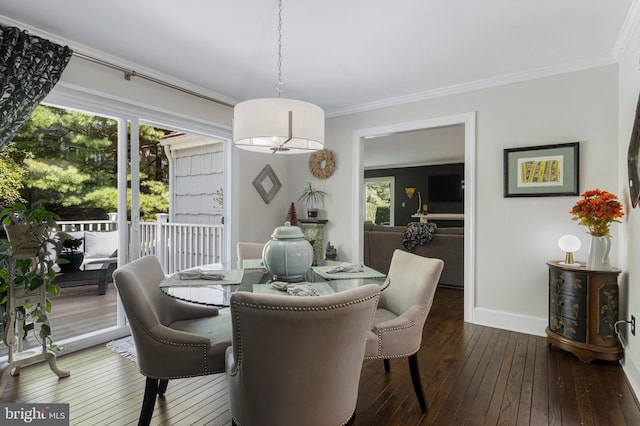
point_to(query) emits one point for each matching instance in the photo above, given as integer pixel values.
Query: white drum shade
(278, 125)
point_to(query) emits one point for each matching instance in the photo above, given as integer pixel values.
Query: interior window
(379, 202)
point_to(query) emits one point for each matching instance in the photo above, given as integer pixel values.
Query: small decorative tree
(292, 216)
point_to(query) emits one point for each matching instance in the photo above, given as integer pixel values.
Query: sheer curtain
(29, 68)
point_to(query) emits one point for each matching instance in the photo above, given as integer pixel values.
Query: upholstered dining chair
(402, 312)
(297, 360)
(173, 339)
(248, 251)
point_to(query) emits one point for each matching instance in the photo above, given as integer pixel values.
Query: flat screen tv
(445, 188)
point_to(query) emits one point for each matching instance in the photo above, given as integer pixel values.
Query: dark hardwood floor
(472, 375)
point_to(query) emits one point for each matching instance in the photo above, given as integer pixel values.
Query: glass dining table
(212, 285)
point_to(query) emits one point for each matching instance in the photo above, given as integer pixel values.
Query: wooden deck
(472, 375)
(77, 310)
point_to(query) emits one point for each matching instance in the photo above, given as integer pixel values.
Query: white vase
(599, 254)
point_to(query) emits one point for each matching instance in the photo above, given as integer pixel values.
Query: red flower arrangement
(596, 210)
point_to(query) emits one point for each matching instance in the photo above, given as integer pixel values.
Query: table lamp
(569, 244)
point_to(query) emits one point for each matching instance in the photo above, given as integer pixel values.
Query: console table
(583, 308)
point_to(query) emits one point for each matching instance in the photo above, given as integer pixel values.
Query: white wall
(629, 241)
(515, 236)
(256, 219)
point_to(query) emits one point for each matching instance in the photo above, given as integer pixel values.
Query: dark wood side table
(583, 308)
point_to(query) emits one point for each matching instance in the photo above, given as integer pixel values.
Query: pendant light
(278, 125)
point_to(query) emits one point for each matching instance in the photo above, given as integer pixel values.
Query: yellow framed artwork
(542, 171)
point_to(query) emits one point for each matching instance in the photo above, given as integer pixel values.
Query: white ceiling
(344, 55)
(440, 145)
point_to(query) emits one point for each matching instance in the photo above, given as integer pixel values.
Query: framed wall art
(267, 184)
(633, 165)
(542, 171)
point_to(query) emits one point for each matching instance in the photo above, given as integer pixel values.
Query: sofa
(100, 249)
(447, 244)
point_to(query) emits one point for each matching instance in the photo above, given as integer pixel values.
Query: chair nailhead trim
(288, 308)
(204, 350)
(426, 309)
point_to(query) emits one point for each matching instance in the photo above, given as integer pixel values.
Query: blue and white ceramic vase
(599, 249)
(287, 256)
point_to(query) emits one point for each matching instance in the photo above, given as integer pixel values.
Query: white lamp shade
(262, 125)
(569, 243)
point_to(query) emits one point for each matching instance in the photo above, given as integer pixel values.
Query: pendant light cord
(280, 84)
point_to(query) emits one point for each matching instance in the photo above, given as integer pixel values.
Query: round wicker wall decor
(321, 164)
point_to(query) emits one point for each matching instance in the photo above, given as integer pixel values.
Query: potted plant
(312, 197)
(27, 255)
(71, 257)
(25, 226)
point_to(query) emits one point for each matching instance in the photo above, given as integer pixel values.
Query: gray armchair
(173, 339)
(402, 312)
(297, 360)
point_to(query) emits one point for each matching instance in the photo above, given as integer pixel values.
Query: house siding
(199, 173)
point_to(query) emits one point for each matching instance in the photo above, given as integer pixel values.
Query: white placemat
(231, 277)
(252, 264)
(366, 273)
(323, 288)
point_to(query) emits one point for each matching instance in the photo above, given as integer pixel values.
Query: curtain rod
(131, 73)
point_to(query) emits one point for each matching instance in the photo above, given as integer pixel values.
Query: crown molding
(626, 32)
(500, 80)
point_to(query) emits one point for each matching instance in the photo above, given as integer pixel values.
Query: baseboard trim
(508, 321)
(631, 371)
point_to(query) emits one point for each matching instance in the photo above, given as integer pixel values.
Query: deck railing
(178, 246)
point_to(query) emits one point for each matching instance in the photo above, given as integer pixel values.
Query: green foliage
(69, 244)
(20, 214)
(378, 193)
(378, 202)
(63, 185)
(70, 158)
(311, 196)
(11, 176)
(383, 215)
(31, 273)
(154, 198)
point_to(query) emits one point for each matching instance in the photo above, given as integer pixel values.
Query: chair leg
(387, 364)
(149, 402)
(417, 384)
(162, 388)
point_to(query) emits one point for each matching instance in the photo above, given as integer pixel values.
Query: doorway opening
(468, 120)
